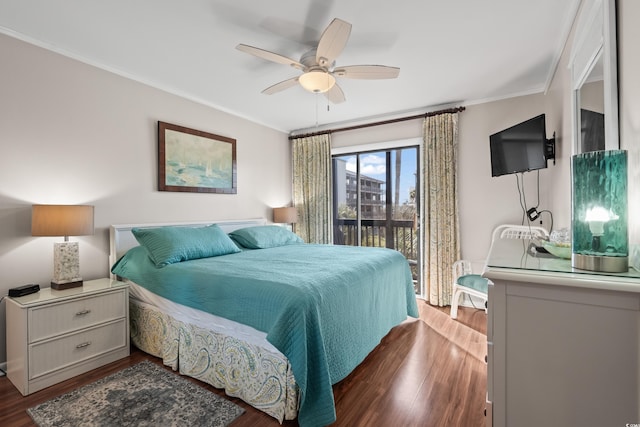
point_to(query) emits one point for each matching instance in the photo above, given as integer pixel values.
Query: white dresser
(55, 335)
(563, 344)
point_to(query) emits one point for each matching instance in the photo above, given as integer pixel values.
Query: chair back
(510, 231)
(461, 268)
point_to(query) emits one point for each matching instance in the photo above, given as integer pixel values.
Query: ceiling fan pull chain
(317, 109)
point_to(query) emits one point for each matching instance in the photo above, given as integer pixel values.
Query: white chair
(466, 282)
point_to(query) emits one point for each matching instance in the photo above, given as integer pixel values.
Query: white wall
(486, 201)
(558, 110)
(71, 133)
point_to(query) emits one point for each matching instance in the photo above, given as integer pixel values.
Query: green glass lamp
(600, 211)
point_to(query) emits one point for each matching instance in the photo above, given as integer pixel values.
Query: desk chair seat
(468, 283)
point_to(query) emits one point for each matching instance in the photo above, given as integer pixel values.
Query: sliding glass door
(375, 202)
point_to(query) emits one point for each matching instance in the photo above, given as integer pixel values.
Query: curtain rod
(384, 122)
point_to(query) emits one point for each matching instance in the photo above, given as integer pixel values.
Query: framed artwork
(195, 161)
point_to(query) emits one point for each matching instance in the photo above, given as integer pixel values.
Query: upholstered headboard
(121, 239)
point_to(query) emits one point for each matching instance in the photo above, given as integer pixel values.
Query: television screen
(520, 148)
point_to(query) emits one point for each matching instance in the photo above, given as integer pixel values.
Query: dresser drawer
(49, 356)
(68, 316)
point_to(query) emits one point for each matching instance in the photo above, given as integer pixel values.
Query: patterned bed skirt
(259, 377)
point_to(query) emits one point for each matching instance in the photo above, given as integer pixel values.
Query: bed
(270, 319)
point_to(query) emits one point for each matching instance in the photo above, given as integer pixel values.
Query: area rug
(142, 395)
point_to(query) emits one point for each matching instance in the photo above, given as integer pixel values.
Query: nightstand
(54, 335)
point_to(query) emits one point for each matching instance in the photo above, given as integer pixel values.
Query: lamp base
(605, 264)
(60, 286)
(66, 263)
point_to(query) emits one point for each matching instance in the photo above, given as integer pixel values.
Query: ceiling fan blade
(286, 84)
(335, 94)
(332, 42)
(370, 72)
(270, 56)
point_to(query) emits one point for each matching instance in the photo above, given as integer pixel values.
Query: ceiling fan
(318, 67)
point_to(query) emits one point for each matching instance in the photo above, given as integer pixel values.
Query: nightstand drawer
(49, 356)
(57, 319)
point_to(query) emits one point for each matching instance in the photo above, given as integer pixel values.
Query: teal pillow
(168, 245)
(264, 236)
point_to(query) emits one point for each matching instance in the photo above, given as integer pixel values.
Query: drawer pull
(84, 344)
(83, 312)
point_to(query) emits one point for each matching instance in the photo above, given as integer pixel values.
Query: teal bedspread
(324, 307)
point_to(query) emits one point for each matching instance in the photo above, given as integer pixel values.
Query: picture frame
(194, 161)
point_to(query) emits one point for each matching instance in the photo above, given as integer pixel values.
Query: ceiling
(456, 52)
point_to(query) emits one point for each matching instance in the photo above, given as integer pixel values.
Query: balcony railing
(394, 234)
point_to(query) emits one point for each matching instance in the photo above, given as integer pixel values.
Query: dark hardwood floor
(426, 372)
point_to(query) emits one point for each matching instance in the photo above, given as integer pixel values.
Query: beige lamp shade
(287, 215)
(61, 220)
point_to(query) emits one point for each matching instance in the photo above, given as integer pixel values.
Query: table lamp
(63, 220)
(286, 215)
(599, 218)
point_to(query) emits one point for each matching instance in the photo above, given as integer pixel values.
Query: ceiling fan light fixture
(317, 81)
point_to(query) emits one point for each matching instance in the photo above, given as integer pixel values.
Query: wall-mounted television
(520, 148)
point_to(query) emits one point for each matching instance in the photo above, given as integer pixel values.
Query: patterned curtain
(440, 195)
(312, 194)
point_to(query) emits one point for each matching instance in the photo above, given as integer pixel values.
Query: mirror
(594, 78)
(590, 99)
